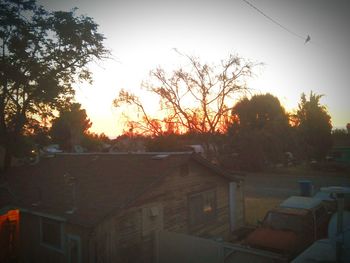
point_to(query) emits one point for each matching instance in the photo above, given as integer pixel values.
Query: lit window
(202, 207)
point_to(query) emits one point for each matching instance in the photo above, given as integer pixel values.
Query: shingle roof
(104, 183)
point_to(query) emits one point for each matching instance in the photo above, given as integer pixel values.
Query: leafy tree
(42, 54)
(165, 143)
(260, 131)
(93, 142)
(260, 112)
(314, 126)
(340, 137)
(70, 127)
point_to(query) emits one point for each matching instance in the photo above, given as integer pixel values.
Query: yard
(266, 190)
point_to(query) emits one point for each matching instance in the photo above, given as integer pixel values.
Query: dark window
(320, 214)
(51, 233)
(337, 155)
(202, 207)
(282, 221)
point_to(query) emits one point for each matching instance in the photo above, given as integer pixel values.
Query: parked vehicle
(292, 227)
(330, 199)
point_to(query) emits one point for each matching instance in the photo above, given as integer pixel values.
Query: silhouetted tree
(340, 137)
(38, 131)
(94, 142)
(193, 98)
(70, 127)
(314, 126)
(42, 54)
(165, 143)
(260, 131)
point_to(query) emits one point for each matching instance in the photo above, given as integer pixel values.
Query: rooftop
(85, 188)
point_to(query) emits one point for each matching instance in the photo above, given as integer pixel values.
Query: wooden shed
(108, 207)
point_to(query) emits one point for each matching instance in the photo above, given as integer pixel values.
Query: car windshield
(295, 223)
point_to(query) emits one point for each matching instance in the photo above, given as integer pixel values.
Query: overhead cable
(307, 39)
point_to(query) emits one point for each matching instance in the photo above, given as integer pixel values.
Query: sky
(143, 34)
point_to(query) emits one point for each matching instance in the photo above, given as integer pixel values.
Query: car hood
(282, 241)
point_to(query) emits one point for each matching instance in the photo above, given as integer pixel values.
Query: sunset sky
(142, 35)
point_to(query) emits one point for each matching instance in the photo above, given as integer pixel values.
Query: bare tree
(194, 98)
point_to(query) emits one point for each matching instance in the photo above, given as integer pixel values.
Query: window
(282, 221)
(51, 233)
(202, 207)
(152, 219)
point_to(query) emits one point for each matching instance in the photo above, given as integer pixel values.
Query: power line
(276, 22)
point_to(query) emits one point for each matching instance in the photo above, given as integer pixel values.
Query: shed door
(233, 206)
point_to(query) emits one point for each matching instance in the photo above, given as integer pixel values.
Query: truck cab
(291, 227)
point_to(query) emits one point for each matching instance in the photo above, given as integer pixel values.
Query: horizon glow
(142, 35)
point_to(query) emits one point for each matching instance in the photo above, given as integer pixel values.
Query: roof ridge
(126, 153)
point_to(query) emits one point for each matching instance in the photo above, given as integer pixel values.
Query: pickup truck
(292, 227)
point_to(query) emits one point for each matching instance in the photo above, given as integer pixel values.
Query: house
(126, 143)
(341, 155)
(107, 207)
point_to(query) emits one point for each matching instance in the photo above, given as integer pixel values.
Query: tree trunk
(7, 157)
(11, 141)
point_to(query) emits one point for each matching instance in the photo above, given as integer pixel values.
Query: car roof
(324, 196)
(301, 202)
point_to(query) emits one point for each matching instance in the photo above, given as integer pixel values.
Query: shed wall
(32, 249)
(164, 206)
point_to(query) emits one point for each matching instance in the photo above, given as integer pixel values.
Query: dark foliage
(341, 138)
(70, 127)
(42, 54)
(165, 143)
(313, 124)
(260, 131)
